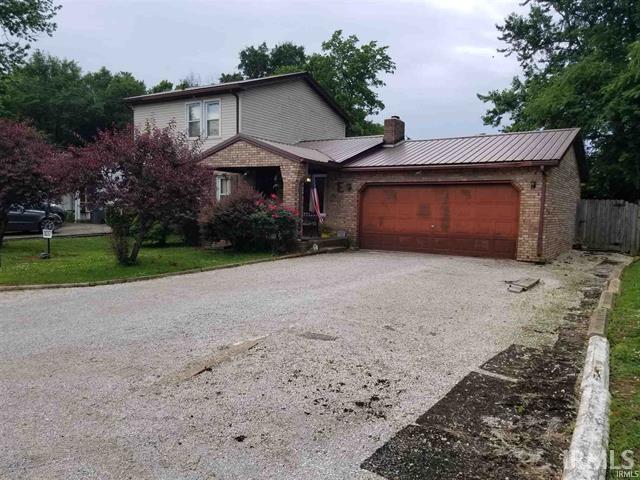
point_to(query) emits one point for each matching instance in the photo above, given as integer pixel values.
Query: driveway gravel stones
(354, 347)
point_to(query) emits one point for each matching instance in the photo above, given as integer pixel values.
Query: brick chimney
(393, 130)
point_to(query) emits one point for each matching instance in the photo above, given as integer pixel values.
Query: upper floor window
(194, 112)
(212, 112)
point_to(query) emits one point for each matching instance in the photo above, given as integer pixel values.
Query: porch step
(322, 243)
(332, 249)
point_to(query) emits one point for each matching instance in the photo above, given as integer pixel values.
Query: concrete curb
(15, 288)
(598, 322)
(606, 300)
(587, 455)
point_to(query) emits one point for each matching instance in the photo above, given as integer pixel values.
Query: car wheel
(47, 224)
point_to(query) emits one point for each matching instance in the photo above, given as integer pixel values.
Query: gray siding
(162, 113)
(288, 112)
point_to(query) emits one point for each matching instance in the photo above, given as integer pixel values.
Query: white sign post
(48, 234)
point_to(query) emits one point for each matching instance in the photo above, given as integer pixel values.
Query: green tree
(257, 62)
(51, 94)
(67, 106)
(351, 73)
(254, 61)
(108, 92)
(20, 22)
(162, 86)
(190, 81)
(579, 68)
(348, 70)
(286, 54)
(231, 77)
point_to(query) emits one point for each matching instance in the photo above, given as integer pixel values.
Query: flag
(315, 199)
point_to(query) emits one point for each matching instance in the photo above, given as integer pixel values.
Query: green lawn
(624, 335)
(89, 259)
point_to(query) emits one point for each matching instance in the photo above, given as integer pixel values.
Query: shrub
(142, 177)
(157, 233)
(189, 230)
(274, 225)
(250, 222)
(24, 158)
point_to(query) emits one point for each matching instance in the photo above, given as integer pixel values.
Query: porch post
(292, 179)
(293, 176)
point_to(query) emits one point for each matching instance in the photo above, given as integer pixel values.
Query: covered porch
(299, 182)
(307, 194)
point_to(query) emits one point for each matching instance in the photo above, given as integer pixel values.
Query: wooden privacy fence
(608, 225)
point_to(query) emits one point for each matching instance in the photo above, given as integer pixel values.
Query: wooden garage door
(459, 219)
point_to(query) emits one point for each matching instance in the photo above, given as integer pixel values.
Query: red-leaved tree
(24, 155)
(140, 177)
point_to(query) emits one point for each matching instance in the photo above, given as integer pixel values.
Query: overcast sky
(445, 50)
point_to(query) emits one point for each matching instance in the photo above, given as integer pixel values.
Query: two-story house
(504, 195)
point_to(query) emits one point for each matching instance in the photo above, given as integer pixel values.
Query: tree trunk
(137, 242)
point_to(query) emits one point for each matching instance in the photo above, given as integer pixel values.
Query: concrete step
(307, 244)
(332, 249)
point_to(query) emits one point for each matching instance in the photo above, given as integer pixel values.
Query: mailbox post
(48, 234)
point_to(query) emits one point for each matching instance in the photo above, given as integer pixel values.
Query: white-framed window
(223, 186)
(212, 117)
(194, 115)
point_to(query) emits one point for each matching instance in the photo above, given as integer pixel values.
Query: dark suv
(23, 219)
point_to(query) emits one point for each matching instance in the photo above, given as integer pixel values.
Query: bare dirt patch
(513, 422)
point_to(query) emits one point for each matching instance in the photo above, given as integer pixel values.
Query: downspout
(543, 201)
(237, 112)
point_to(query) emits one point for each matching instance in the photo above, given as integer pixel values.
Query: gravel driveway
(296, 369)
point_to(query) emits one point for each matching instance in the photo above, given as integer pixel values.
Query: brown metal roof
(537, 146)
(293, 152)
(341, 149)
(238, 86)
(299, 151)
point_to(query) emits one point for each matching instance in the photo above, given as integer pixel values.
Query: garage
(457, 219)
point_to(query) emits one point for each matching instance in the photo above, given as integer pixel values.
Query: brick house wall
(242, 154)
(343, 193)
(343, 196)
(563, 194)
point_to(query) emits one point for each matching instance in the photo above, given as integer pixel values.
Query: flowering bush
(142, 178)
(24, 157)
(274, 225)
(251, 222)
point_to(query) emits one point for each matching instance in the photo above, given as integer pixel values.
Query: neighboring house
(506, 195)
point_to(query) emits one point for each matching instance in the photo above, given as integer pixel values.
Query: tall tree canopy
(161, 86)
(350, 71)
(61, 101)
(191, 80)
(20, 22)
(580, 64)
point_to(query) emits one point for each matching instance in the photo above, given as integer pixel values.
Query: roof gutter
(454, 166)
